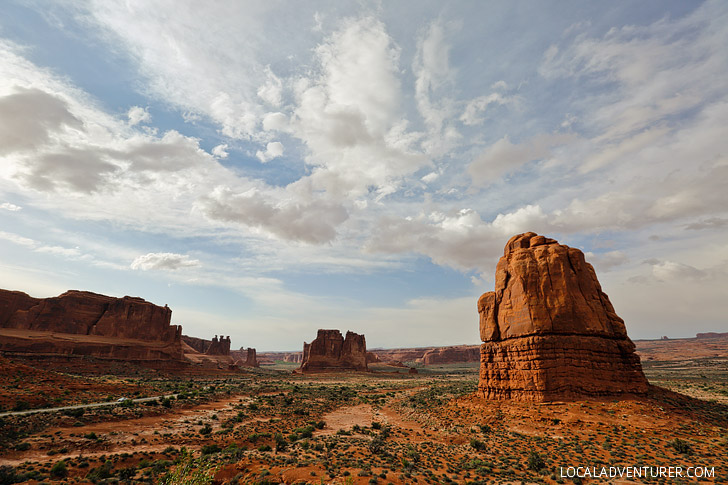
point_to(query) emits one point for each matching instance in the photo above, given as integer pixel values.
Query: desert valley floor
(270, 425)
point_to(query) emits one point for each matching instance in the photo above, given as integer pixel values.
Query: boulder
(549, 331)
(331, 351)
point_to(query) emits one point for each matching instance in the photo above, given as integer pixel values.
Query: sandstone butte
(85, 323)
(330, 351)
(549, 331)
(245, 357)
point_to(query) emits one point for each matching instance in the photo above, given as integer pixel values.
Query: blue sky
(268, 169)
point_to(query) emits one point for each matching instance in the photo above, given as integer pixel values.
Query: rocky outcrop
(331, 351)
(452, 355)
(549, 331)
(197, 344)
(219, 346)
(245, 357)
(100, 325)
(86, 313)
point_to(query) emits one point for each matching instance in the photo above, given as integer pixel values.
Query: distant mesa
(130, 329)
(549, 331)
(451, 355)
(85, 323)
(330, 351)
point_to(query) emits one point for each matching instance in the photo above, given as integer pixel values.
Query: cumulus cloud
(30, 116)
(220, 151)
(163, 261)
(273, 150)
(137, 114)
(312, 222)
(349, 114)
(461, 240)
(10, 207)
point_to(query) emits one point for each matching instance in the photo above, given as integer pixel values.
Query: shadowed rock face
(451, 355)
(331, 351)
(550, 332)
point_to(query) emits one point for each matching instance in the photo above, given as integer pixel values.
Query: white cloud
(220, 151)
(10, 207)
(604, 262)
(272, 91)
(312, 222)
(430, 177)
(476, 108)
(433, 77)
(137, 114)
(163, 261)
(273, 150)
(504, 157)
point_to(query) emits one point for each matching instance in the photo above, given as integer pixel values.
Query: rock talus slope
(549, 331)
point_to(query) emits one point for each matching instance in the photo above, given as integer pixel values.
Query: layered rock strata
(331, 351)
(549, 331)
(85, 323)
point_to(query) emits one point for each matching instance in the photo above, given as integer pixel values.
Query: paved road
(81, 406)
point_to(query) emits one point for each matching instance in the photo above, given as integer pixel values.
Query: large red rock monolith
(549, 331)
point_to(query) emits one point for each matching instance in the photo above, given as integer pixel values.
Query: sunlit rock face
(99, 325)
(331, 351)
(549, 331)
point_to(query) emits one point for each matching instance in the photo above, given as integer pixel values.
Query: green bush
(535, 462)
(681, 446)
(210, 449)
(477, 444)
(59, 470)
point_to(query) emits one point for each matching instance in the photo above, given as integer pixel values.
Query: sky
(271, 168)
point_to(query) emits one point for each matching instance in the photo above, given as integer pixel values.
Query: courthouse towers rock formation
(331, 351)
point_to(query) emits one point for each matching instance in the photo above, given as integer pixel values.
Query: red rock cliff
(91, 315)
(550, 332)
(331, 351)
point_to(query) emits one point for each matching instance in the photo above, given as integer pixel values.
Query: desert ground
(271, 425)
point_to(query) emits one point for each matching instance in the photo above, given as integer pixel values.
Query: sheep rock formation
(549, 331)
(331, 351)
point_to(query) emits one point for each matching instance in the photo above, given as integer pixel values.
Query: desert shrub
(59, 470)
(535, 462)
(21, 406)
(102, 472)
(477, 444)
(76, 413)
(189, 471)
(376, 425)
(681, 446)
(91, 436)
(210, 449)
(206, 429)
(376, 445)
(22, 447)
(264, 448)
(484, 428)
(281, 443)
(320, 425)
